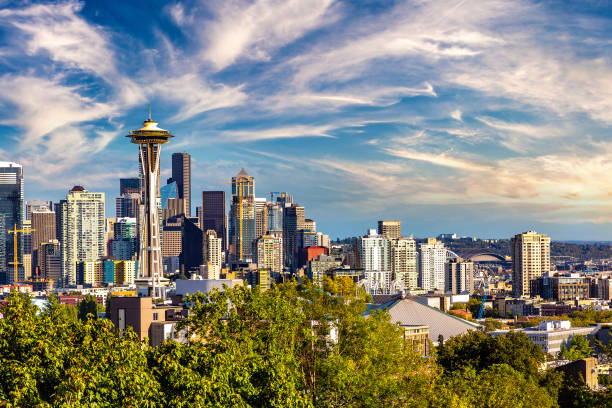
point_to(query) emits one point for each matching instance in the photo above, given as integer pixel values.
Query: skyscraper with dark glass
(181, 174)
(129, 186)
(213, 214)
(11, 215)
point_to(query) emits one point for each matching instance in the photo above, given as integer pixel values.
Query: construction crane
(15, 262)
(484, 300)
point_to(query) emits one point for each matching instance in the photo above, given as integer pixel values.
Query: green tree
(89, 305)
(492, 325)
(579, 347)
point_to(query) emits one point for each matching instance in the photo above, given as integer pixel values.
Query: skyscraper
(293, 221)
(169, 191)
(11, 215)
(274, 218)
(43, 223)
(149, 139)
(375, 252)
(181, 174)
(83, 234)
(261, 217)
(459, 276)
(36, 205)
(51, 262)
(243, 225)
(127, 205)
(433, 259)
(124, 245)
(213, 256)
(129, 186)
(390, 229)
(269, 253)
(530, 260)
(404, 262)
(213, 215)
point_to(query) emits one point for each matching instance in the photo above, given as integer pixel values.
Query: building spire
(149, 111)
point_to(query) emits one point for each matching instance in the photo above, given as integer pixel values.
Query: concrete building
(530, 260)
(43, 223)
(269, 253)
(310, 225)
(51, 262)
(11, 216)
(404, 262)
(432, 263)
(213, 251)
(37, 205)
(378, 282)
(83, 237)
(127, 205)
(390, 229)
(375, 252)
(322, 240)
(293, 221)
(321, 264)
(561, 287)
(261, 216)
(459, 276)
(550, 335)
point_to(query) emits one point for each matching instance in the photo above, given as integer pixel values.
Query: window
(155, 316)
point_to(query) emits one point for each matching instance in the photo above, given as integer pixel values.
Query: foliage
(88, 306)
(579, 347)
(492, 325)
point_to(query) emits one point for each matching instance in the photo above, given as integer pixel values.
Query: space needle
(149, 139)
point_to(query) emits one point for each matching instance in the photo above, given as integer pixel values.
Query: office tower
(51, 262)
(127, 205)
(175, 207)
(167, 192)
(124, 245)
(83, 233)
(149, 139)
(181, 174)
(213, 216)
(459, 276)
(43, 223)
(404, 262)
(530, 260)
(322, 240)
(310, 225)
(269, 250)
(261, 217)
(11, 216)
(293, 221)
(274, 218)
(433, 259)
(213, 253)
(242, 225)
(36, 205)
(284, 199)
(57, 208)
(172, 243)
(375, 252)
(129, 186)
(305, 239)
(25, 269)
(390, 229)
(192, 255)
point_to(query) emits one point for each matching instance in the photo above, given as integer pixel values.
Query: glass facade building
(11, 215)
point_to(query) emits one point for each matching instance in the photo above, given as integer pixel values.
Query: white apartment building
(375, 252)
(433, 260)
(213, 255)
(83, 236)
(269, 251)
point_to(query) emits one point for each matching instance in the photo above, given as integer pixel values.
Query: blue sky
(483, 118)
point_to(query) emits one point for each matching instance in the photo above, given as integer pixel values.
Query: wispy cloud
(288, 132)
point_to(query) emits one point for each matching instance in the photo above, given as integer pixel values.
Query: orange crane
(15, 262)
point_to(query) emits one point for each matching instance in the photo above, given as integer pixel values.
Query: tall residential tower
(530, 260)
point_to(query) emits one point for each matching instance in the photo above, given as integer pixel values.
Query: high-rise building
(390, 229)
(322, 240)
(275, 218)
(261, 217)
(192, 255)
(149, 139)
(51, 262)
(124, 245)
(459, 276)
(181, 174)
(433, 260)
(213, 216)
(404, 262)
(310, 225)
(11, 216)
(243, 224)
(127, 205)
(169, 191)
(36, 205)
(25, 268)
(375, 252)
(269, 253)
(43, 223)
(213, 254)
(293, 221)
(530, 260)
(129, 186)
(83, 234)
(172, 243)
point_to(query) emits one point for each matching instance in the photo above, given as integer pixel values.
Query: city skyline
(480, 119)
